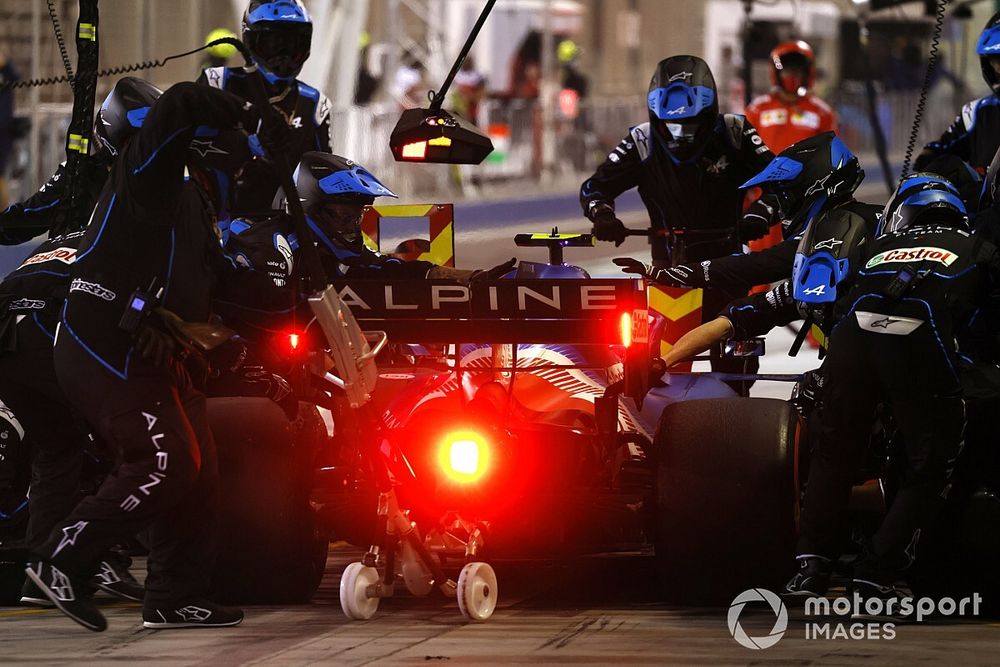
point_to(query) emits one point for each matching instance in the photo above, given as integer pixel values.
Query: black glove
(757, 220)
(807, 395)
(497, 272)
(273, 135)
(607, 227)
(677, 276)
(228, 357)
(155, 346)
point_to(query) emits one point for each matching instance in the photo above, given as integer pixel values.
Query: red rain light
(464, 456)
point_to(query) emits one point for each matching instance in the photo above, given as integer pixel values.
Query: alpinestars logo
(92, 289)
(107, 574)
(829, 244)
(203, 148)
(817, 186)
(884, 323)
(191, 613)
(70, 533)
(680, 76)
(61, 586)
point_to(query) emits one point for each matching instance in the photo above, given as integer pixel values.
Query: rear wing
(505, 311)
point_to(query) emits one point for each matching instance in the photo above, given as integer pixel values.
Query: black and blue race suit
(152, 227)
(31, 299)
(48, 209)
(895, 343)
(246, 185)
(974, 136)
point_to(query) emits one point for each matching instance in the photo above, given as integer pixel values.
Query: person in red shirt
(789, 113)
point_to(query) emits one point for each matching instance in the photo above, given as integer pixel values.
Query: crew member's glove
(807, 395)
(607, 227)
(155, 346)
(273, 137)
(681, 275)
(757, 220)
(497, 272)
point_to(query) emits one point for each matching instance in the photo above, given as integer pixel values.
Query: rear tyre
(727, 497)
(270, 549)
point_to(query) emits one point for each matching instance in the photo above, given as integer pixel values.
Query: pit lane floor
(597, 611)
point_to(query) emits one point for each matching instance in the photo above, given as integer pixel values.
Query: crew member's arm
(955, 140)
(618, 173)
(37, 214)
(743, 319)
(698, 340)
(322, 120)
(155, 157)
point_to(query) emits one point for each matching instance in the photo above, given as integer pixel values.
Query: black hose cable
(928, 75)
(111, 71)
(57, 29)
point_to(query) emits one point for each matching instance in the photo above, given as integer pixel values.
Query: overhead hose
(57, 29)
(928, 75)
(110, 71)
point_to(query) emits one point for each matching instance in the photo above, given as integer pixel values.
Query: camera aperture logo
(780, 622)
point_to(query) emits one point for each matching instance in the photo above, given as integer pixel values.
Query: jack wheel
(477, 591)
(354, 600)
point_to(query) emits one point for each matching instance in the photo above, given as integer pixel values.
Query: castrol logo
(922, 254)
(64, 255)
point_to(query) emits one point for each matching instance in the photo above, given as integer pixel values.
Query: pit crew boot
(877, 601)
(33, 596)
(194, 614)
(813, 578)
(73, 596)
(115, 579)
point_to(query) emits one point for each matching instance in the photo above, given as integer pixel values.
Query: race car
(516, 420)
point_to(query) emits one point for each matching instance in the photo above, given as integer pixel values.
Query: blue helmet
(923, 199)
(828, 251)
(809, 177)
(988, 48)
(278, 34)
(683, 106)
(122, 113)
(333, 191)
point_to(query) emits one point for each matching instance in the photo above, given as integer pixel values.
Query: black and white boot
(72, 596)
(115, 579)
(813, 578)
(194, 614)
(33, 596)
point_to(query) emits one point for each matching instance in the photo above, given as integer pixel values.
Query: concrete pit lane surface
(596, 611)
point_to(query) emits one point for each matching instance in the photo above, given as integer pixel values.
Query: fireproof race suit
(30, 300)
(974, 136)
(895, 342)
(151, 228)
(251, 192)
(46, 210)
(703, 196)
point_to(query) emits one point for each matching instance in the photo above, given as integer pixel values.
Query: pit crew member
(278, 34)
(30, 301)
(789, 113)
(152, 241)
(334, 192)
(975, 134)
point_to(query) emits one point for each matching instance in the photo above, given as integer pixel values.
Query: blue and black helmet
(826, 254)
(988, 48)
(279, 34)
(923, 199)
(122, 113)
(326, 183)
(809, 177)
(683, 105)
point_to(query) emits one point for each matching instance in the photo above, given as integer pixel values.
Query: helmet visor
(282, 48)
(337, 217)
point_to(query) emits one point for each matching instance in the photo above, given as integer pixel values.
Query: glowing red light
(625, 326)
(464, 456)
(415, 151)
